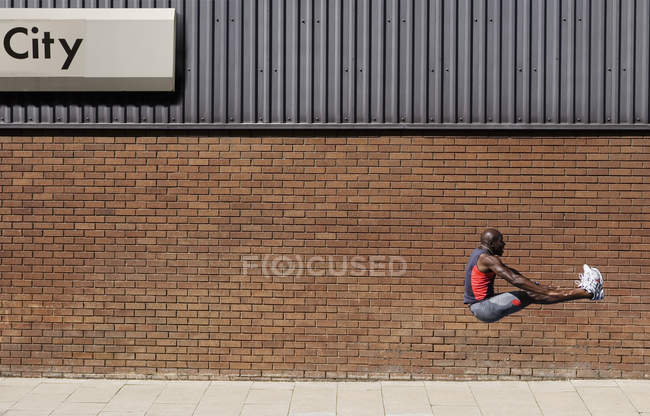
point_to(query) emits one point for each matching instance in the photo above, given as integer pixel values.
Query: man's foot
(600, 294)
(592, 281)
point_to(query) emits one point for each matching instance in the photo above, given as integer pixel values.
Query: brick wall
(306, 257)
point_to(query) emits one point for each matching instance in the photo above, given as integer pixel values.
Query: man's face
(498, 245)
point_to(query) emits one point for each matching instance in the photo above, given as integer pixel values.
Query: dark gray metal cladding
(377, 63)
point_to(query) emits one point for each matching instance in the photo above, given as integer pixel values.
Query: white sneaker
(600, 292)
(585, 281)
(592, 281)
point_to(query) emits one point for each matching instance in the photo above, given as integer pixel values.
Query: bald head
(492, 240)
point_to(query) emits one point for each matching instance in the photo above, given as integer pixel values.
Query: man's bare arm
(515, 278)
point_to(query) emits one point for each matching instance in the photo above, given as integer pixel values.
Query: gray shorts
(499, 306)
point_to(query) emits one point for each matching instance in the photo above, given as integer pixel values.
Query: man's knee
(523, 297)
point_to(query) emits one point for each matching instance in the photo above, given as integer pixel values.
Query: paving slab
(9, 381)
(265, 409)
(594, 383)
(550, 386)
(565, 403)
(45, 397)
(406, 400)
(135, 398)
(121, 413)
(505, 397)
(449, 393)
(226, 398)
(393, 383)
(30, 412)
(313, 399)
(183, 392)
(96, 392)
(455, 411)
(268, 396)
(272, 385)
(558, 398)
(268, 399)
(6, 406)
(144, 382)
(220, 392)
(638, 392)
(359, 401)
(78, 409)
(606, 401)
(52, 391)
(173, 409)
(358, 386)
(15, 392)
(221, 410)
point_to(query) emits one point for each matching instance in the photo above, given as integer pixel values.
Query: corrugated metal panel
(378, 63)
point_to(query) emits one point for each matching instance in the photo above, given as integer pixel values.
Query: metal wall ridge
(445, 64)
(494, 127)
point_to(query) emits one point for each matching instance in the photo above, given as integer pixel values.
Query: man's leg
(590, 286)
(499, 306)
(562, 296)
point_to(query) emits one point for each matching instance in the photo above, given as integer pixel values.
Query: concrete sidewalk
(59, 397)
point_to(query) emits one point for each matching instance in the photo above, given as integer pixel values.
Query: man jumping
(484, 264)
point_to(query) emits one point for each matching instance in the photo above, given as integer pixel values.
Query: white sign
(87, 49)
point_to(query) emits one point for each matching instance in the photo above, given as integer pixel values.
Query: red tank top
(478, 285)
(481, 283)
